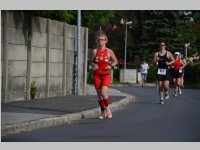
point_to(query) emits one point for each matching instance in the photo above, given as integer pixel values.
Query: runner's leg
(104, 93)
(166, 89)
(106, 99)
(160, 86)
(97, 80)
(175, 86)
(179, 84)
(142, 79)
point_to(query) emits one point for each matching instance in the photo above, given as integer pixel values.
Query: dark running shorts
(164, 77)
(175, 74)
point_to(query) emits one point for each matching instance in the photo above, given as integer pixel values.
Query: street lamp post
(125, 45)
(77, 91)
(125, 48)
(186, 48)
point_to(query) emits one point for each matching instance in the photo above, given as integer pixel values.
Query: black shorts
(144, 75)
(176, 74)
(164, 77)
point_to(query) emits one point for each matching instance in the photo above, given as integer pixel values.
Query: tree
(149, 28)
(68, 16)
(190, 31)
(93, 18)
(162, 26)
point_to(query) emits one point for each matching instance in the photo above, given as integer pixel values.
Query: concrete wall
(40, 50)
(128, 75)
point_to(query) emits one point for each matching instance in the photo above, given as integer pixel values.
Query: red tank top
(102, 60)
(177, 64)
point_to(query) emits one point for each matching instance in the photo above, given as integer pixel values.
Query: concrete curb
(62, 119)
(137, 85)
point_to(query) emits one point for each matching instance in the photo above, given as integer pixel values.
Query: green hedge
(116, 75)
(151, 76)
(192, 75)
(89, 76)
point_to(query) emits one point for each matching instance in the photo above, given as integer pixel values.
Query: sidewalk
(23, 116)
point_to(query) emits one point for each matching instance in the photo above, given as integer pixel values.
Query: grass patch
(192, 86)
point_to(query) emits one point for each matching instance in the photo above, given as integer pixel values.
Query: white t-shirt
(144, 68)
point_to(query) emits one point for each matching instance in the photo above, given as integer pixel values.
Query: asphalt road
(142, 121)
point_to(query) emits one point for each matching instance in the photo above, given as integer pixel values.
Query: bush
(192, 73)
(89, 76)
(33, 89)
(151, 76)
(116, 75)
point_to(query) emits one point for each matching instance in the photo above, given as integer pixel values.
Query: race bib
(180, 70)
(161, 71)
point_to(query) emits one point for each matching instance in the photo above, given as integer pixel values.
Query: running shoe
(102, 116)
(166, 95)
(162, 101)
(109, 115)
(179, 91)
(175, 93)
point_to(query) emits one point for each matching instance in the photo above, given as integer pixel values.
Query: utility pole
(78, 52)
(123, 21)
(186, 48)
(125, 45)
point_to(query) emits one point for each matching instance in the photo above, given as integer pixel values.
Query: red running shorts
(101, 80)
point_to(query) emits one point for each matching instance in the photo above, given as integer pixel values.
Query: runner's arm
(155, 58)
(183, 64)
(94, 65)
(171, 59)
(113, 59)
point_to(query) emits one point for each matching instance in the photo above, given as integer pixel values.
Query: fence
(43, 51)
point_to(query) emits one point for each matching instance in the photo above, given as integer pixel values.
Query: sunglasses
(101, 39)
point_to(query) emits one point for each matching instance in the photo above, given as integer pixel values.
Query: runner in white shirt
(144, 71)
